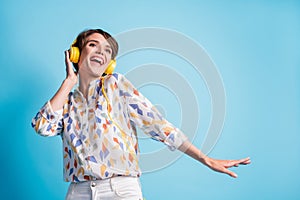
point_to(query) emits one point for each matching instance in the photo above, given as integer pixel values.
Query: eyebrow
(92, 41)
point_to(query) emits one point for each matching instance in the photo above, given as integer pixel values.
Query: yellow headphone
(75, 54)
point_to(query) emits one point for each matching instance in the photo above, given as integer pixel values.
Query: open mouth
(98, 60)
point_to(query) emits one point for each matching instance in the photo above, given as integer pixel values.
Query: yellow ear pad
(111, 66)
(74, 54)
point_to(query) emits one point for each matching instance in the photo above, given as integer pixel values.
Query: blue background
(255, 46)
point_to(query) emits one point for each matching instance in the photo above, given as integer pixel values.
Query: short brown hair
(81, 41)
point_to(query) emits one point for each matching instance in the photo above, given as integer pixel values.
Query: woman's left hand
(223, 165)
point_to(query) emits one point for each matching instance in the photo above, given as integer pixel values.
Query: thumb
(230, 173)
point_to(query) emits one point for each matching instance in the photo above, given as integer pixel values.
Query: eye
(91, 44)
(108, 51)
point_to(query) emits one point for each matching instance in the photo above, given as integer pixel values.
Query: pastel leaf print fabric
(96, 146)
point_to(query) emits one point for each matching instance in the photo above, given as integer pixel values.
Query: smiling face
(95, 56)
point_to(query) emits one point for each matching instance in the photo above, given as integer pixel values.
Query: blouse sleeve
(147, 117)
(47, 122)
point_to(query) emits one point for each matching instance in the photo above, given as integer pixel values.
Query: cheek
(108, 56)
(82, 57)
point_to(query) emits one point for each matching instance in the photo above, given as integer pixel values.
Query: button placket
(93, 184)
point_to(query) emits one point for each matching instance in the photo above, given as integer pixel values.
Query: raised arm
(58, 100)
(48, 121)
(216, 165)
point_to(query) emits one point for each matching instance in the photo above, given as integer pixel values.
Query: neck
(85, 78)
(84, 83)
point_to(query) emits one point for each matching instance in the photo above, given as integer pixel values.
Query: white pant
(116, 188)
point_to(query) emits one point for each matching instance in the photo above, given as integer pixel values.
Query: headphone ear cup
(111, 66)
(74, 54)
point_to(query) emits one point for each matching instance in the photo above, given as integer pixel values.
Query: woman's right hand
(71, 75)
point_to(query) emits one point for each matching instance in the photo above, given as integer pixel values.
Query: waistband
(105, 183)
(92, 178)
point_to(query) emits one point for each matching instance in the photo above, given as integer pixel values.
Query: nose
(99, 52)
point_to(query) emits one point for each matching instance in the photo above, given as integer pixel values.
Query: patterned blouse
(99, 133)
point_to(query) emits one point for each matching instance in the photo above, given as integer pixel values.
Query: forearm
(192, 151)
(58, 100)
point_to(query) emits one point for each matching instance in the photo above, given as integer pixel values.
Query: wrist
(69, 83)
(205, 160)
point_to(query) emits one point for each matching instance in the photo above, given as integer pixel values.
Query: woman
(97, 122)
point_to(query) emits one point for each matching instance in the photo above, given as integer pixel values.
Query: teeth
(98, 60)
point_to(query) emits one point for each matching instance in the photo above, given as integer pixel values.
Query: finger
(231, 163)
(230, 173)
(245, 161)
(69, 67)
(66, 54)
(241, 161)
(67, 59)
(236, 163)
